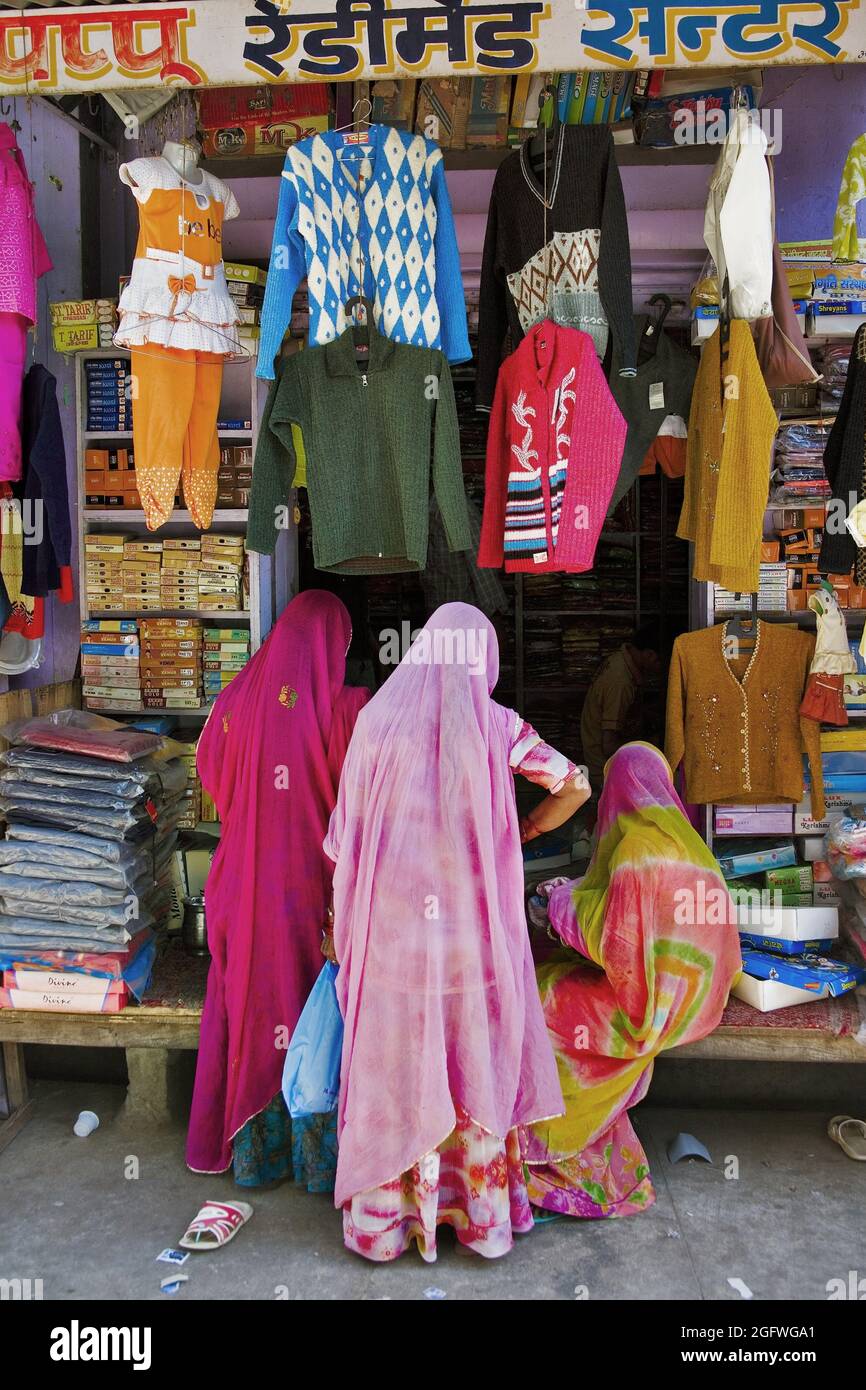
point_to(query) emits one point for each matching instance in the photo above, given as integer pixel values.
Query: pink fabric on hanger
(13, 355)
(23, 253)
(23, 258)
(436, 981)
(270, 756)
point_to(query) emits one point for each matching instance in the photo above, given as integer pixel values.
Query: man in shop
(613, 709)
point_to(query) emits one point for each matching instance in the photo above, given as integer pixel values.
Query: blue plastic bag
(311, 1075)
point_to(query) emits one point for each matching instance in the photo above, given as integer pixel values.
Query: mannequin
(183, 156)
(179, 322)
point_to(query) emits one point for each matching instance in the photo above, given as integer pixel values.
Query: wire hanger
(355, 125)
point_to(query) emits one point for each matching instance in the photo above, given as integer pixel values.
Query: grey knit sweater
(376, 433)
(583, 279)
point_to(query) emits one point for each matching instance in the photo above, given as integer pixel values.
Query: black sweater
(588, 249)
(845, 462)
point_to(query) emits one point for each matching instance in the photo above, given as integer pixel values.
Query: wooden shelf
(482, 157)
(228, 616)
(803, 618)
(127, 434)
(104, 515)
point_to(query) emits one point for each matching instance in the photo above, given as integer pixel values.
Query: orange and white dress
(177, 296)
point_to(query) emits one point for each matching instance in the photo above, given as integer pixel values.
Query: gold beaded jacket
(734, 721)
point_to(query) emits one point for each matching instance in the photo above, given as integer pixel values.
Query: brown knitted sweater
(734, 722)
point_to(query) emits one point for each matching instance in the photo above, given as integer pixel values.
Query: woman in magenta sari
(270, 756)
(445, 1051)
(646, 968)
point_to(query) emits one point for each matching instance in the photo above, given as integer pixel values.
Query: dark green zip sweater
(375, 435)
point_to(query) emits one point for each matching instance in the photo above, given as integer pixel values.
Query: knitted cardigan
(736, 727)
(553, 454)
(583, 279)
(728, 464)
(401, 230)
(368, 432)
(845, 463)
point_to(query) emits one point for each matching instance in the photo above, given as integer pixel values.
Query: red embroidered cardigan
(553, 455)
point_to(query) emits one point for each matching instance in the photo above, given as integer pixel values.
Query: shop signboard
(236, 42)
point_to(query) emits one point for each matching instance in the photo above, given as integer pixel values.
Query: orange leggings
(176, 398)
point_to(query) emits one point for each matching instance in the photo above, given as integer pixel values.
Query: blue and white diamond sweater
(373, 219)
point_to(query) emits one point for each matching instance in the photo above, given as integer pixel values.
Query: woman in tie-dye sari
(653, 915)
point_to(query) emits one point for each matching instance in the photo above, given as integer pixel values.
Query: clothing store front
(344, 350)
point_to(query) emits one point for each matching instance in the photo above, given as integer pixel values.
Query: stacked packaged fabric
(834, 366)
(85, 869)
(798, 471)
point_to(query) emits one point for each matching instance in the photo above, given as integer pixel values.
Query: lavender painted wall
(823, 112)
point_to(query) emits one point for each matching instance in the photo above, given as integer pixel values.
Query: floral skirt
(272, 1146)
(473, 1182)
(608, 1178)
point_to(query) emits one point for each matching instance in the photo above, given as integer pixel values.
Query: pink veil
(270, 756)
(436, 981)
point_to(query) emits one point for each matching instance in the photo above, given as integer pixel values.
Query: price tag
(657, 395)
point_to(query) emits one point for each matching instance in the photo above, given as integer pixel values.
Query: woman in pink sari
(445, 1050)
(270, 756)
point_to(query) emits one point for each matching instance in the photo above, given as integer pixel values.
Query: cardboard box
(261, 120)
(792, 923)
(248, 274)
(795, 878)
(769, 995)
(836, 805)
(736, 863)
(784, 947)
(810, 848)
(443, 110)
(745, 821)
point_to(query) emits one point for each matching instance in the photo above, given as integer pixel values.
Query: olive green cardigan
(375, 435)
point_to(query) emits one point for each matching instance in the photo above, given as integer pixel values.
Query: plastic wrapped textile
(38, 806)
(46, 861)
(67, 893)
(53, 909)
(802, 438)
(835, 363)
(11, 784)
(846, 847)
(120, 825)
(110, 849)
(60, 935)
(79, 731)
(148, 774)
(109, 964)
(19, 776)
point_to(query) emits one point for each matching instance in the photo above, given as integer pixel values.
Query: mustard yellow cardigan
(728, 464)
(734, 721)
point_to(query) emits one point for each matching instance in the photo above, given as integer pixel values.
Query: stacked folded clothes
(85, 869)
(798, 470)
(834, 368)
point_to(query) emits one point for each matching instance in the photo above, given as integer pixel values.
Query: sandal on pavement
(215, 1225)
(850, 1135)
